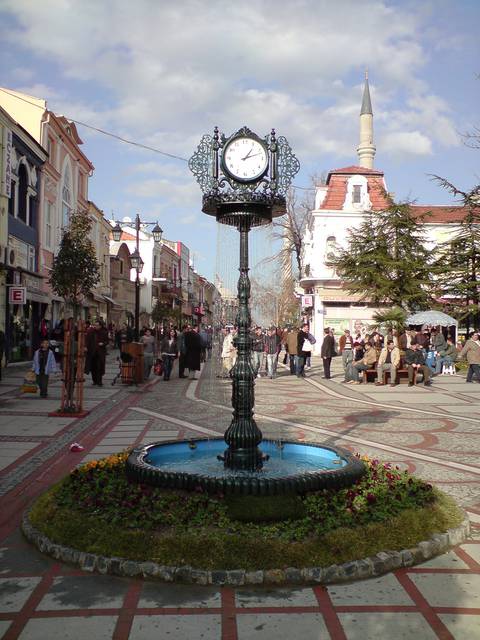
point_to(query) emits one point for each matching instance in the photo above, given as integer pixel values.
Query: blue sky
(164, 73)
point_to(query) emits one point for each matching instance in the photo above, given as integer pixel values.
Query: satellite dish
(126, 219)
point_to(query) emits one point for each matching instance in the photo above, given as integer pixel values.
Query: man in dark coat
(327, 352)
(96, 343)
(193, 351)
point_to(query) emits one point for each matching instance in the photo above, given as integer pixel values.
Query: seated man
(367, 362)
(389, 360)
(415, 359)
(446, 356)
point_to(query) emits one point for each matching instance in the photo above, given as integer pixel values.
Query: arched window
(67, 196)
(22, 192)
(330, 249)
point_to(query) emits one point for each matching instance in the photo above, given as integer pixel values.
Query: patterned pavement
(433, 432)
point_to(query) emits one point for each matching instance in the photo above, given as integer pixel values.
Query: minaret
(366, 148)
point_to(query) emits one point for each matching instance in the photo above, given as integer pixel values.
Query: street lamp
(136, 259)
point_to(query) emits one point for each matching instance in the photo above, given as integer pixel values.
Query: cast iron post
(243, 435)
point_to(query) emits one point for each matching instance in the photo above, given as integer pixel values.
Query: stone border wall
(381, 563)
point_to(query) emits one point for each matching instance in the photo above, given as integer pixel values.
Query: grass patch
(96, 510)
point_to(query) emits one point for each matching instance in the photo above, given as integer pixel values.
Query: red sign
(17, 295)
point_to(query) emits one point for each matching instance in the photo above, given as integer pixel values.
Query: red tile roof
(363, 171)
(439, 213)
(337, 189)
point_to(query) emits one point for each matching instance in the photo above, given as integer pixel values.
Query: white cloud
(172, 72)
(403, 143)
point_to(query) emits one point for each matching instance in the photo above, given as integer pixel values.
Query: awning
(433, 318)
(37, 296)
(111, 301)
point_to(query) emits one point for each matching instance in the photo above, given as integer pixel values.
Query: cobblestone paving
(428, 431)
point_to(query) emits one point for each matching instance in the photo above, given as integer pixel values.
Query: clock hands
(249, 155)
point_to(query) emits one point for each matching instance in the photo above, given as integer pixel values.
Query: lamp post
(136, 260)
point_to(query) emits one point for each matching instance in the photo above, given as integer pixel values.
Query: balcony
(171, 289)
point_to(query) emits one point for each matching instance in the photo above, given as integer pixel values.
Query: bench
(402, 372)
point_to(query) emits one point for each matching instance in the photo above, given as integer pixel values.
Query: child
(43, 365)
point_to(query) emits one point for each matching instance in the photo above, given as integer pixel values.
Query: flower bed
(96, 510)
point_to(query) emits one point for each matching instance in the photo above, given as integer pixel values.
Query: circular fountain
(244, 179)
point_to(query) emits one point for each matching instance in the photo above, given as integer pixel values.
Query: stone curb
(373, 566)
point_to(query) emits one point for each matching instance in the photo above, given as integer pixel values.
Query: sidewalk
(41, 599)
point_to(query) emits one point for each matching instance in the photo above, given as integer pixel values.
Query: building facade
(341, 205)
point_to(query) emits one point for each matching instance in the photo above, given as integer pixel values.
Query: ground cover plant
(96, 509)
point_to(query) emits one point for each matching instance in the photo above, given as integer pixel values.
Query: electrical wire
(117, 137)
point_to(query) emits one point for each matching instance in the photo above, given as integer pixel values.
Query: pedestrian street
(429, 431)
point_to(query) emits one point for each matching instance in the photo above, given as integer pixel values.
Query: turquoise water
(285, 459)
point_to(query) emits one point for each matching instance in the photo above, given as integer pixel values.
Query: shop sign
(17, 295)
(6, 183)
(307, 301)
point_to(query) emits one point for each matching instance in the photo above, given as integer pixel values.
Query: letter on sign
(17, 295)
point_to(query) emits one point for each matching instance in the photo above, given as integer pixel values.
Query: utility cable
(117, 137)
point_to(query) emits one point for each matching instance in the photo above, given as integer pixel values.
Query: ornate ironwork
(243, 205)
(223, 195)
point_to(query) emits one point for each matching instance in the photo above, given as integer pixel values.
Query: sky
(163, 74)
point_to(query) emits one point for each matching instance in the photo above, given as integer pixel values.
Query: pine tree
(386, 260)
(458, 263)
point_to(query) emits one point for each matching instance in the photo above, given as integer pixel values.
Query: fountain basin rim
(138, 470)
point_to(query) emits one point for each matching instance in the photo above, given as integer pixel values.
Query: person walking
(291, 340)
(305, 342)
(345, 345)
(327, 352)
(43, 365)
(168, 352)
(258, 349)
(415, 360)
(471, 351)
(96, 344)
(229, 353)
(182, 350)
(193, 352)
(148, 342)
(272, 346)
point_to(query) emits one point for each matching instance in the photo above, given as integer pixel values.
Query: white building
(341, 205)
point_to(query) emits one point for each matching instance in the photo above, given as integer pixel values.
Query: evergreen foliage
(75, 268)
(458, 263)
(386, 260)
(393, 318)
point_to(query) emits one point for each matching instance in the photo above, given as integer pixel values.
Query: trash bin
(132, 371)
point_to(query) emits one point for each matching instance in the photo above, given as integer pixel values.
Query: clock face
(245, 159)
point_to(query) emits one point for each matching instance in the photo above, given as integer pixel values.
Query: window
(357, 194)
(331, 247)
(32, 211)
(66, 196)
(31, 258)
(48, 224)
(11, 202)
(120, 266)
(22, 192)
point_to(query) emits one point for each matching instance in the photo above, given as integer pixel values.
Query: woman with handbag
(305, 342)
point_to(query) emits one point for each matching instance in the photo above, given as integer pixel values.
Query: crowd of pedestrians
(427, 351)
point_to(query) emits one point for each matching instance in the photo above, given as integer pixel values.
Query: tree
(75, 272)
(75, 268)
(386, 260)
(393, 318)
(458, 262)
